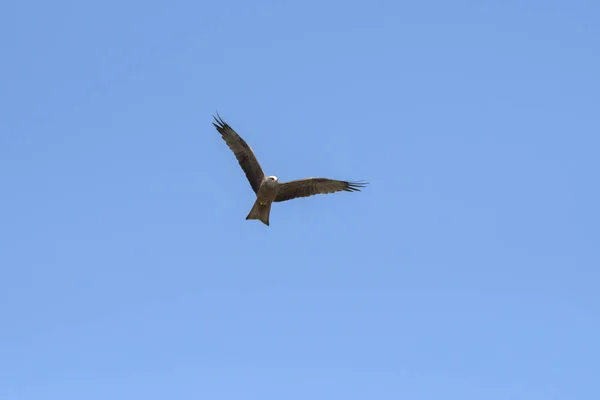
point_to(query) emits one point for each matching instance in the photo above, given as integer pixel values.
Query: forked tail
(260, 213)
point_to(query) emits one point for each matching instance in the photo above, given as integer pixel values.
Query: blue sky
(468, 269)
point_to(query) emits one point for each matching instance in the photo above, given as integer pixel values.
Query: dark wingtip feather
(221, 120)
(220, 123)
(356, 186)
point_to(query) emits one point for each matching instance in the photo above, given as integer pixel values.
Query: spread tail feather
(260, 213)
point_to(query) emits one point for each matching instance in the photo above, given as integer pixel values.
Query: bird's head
(272, 178)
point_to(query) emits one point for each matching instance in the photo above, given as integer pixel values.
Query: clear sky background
(467, 269)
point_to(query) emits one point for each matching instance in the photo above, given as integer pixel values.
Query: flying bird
(268, 189)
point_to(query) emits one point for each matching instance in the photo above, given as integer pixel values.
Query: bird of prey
(267, 188)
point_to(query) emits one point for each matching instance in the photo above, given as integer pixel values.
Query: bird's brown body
(265, 196)
(267, 192)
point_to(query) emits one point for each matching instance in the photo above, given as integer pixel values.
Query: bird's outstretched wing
(243, 153)
(311, 186)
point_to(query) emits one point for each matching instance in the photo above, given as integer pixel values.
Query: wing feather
(243, 153)
(312, 186)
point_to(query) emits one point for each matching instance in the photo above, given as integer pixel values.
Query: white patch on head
(274, 178)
